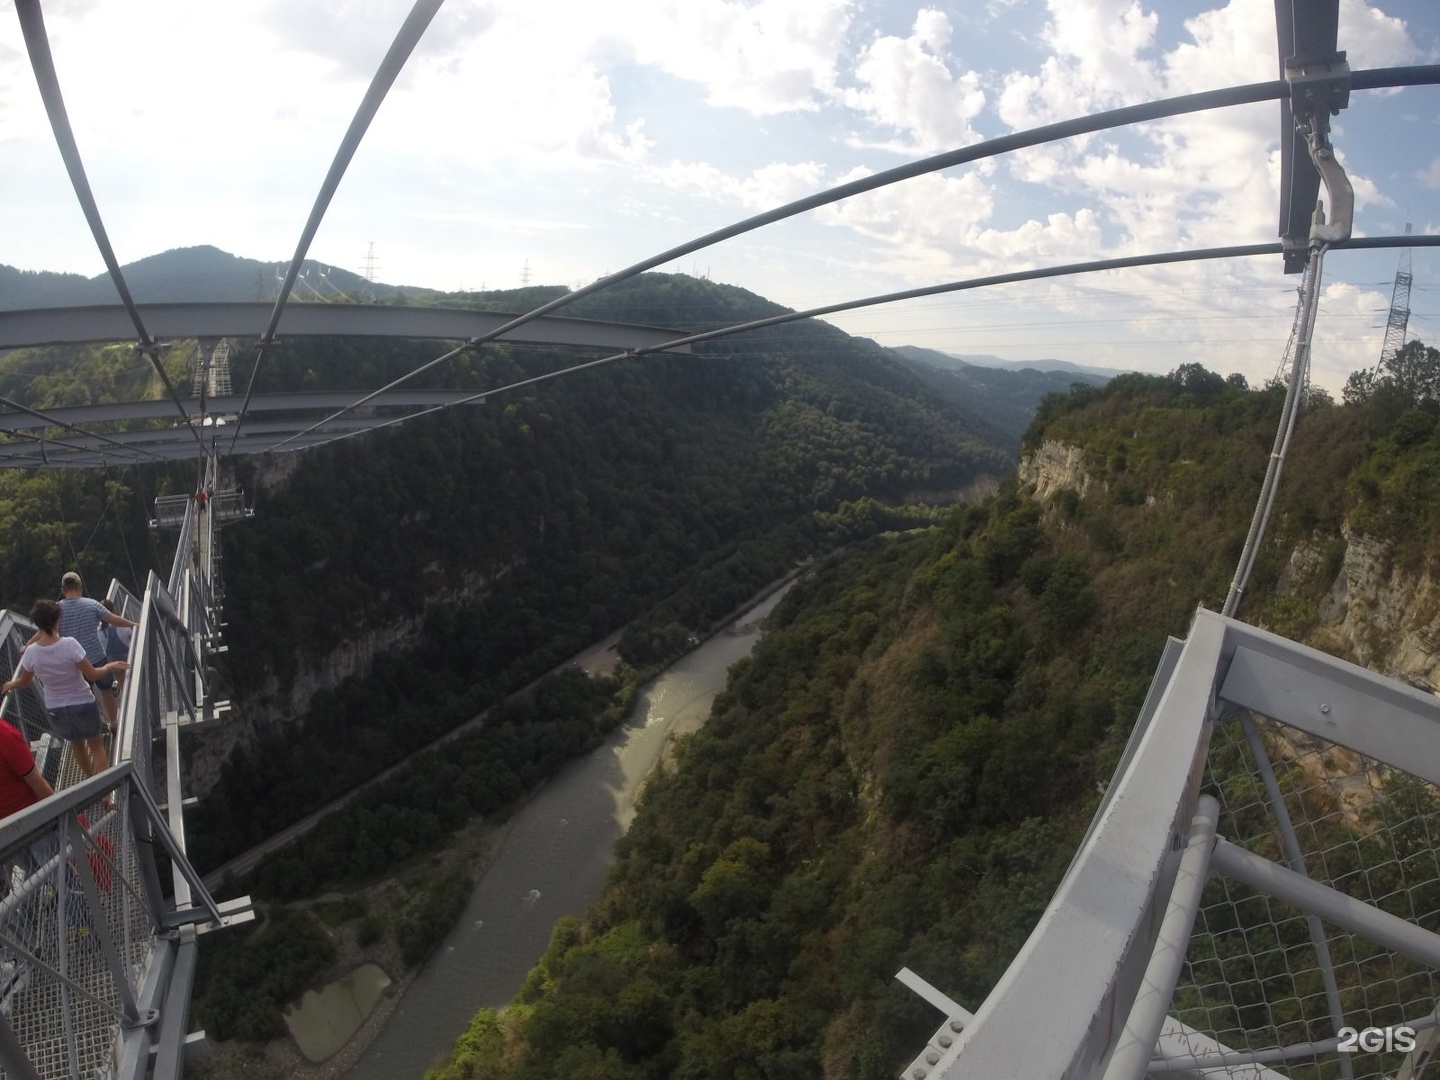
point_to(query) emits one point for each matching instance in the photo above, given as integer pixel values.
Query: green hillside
(900, 773)
(664, 490)
(200, 273)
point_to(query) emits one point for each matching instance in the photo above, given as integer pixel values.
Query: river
(552, 862)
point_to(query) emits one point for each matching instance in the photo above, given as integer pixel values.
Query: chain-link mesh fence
(76, 937)
(1262, 975)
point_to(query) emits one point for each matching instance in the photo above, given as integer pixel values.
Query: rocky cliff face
(270, 704)
(1375, 612)
(1381, 615)
(1053, 468)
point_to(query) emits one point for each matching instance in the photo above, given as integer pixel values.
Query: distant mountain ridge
(999, 398)
(996, 397)
(950, 361)
(183, 275)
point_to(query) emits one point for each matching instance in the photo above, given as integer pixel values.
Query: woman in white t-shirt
(65, 674)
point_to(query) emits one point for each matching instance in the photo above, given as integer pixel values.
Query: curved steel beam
(47, 420)
(426, 402)
(1132, 114)
(37, 43)
(178, 451)
(405, 41)
(1065, 129)
(1129, 261)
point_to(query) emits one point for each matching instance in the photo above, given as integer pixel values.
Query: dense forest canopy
(900, 773)
(509, 534)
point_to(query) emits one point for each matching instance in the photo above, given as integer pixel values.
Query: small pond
(326, 1018)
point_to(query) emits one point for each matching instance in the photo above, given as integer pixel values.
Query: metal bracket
(1319, 90)
(956, 1018)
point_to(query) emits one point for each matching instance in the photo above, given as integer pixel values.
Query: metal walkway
(1260, 887)
(97, 947)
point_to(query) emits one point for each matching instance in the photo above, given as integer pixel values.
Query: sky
(553, 143)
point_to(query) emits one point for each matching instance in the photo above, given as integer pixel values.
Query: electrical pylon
(1399, 319)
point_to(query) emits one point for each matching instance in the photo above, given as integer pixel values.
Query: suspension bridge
(1257, 895)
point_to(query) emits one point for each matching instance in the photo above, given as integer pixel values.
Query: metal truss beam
(154, 437)
(310, 400)
(1084, 964)
(1347, 705)
(172, 322)
(175, 450)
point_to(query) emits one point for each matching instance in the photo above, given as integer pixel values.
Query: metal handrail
(92, 944)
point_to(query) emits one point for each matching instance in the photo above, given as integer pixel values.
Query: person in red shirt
(21, 784)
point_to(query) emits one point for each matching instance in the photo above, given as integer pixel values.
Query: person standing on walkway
(80, 618)
(65, 674)
(116, 640)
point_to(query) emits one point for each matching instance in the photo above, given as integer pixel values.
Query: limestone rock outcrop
(1053, 468)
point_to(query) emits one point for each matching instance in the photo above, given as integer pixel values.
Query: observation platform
(1258, 894)
(99, 907)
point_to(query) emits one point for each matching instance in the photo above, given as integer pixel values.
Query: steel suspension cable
(1124, 262)
(1293, 397)
(395, 57)
(37, 43)
(9, 403)
(1130, 114)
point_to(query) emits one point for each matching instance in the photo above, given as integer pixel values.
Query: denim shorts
(76, 721)
(106, 681)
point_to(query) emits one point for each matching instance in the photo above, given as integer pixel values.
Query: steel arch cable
(37, 43)
(395, 57)
(8, 403)
(1130, 114)
(1065, 270)
(1068, 269)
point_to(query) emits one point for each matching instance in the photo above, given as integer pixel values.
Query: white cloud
(1230, 46)
(1431, 176)
(1372, 38)
(934, 212)
(1097, 63)
(1060, 238)
(771, 185)
(766, 57)
(906, 85)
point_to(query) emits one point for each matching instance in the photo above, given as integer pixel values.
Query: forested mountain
(495, 541)
(1081, 372)
(184, 274)
(667, 488)
(901, 772)
(503, 537)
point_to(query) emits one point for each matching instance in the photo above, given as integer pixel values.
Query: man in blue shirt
(80, 618)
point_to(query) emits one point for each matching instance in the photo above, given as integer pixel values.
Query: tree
(1414, 372)
(1410, 377)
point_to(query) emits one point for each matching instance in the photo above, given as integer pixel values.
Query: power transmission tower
(1399, 310)
(525, 273)
(369, 270)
